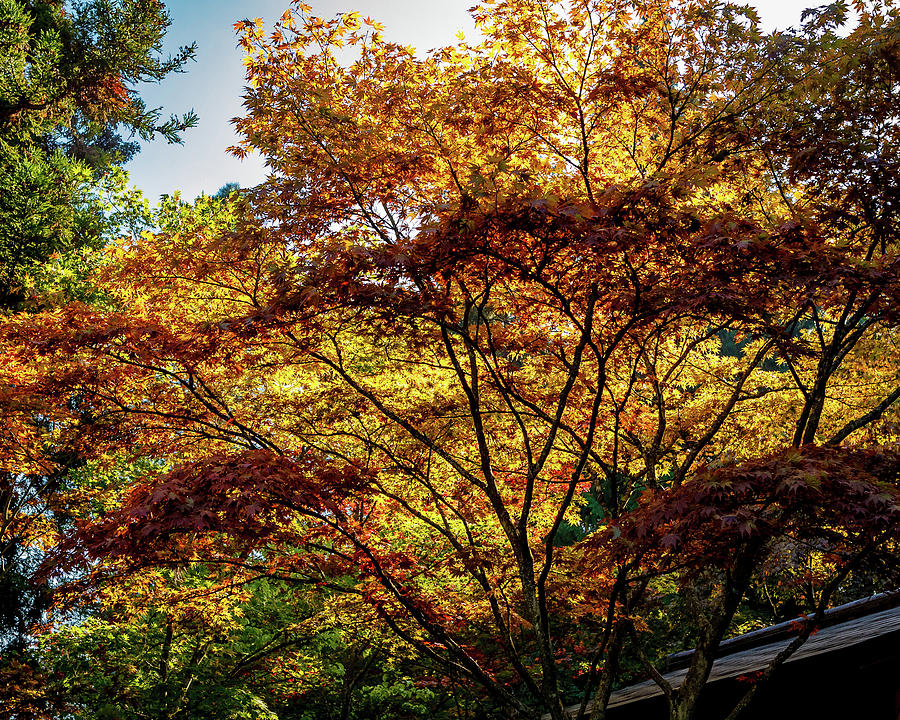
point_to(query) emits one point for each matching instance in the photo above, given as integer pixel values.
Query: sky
(213, 85)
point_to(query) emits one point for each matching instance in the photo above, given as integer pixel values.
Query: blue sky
(213, 85)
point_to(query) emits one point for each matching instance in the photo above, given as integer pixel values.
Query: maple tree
(513, 334)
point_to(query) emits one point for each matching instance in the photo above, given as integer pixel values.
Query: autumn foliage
(514, 333)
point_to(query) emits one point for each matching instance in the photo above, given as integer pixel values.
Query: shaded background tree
(70, 109)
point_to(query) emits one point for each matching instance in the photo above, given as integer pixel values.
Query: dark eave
(840, 627)
(789, 628)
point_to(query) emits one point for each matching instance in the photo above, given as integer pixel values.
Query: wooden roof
(844, 626)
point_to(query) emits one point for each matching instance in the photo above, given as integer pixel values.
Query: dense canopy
(530, 362)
